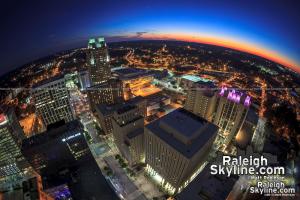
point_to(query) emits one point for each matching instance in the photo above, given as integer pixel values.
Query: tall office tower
(176, 148)
(128, 132)
(98, 61)
(60, 147)
(108, 93)
(201, 99)
(104, 113)
(12, 162)
(232, 108)
(52, 101)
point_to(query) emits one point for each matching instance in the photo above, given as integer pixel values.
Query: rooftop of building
(184, 131)
(156, 97)
(105, 84)
(135, 133)
(87, 181)
(109, 109)
(125, 108)
(55, 131)
(195, 79)
(131, 73)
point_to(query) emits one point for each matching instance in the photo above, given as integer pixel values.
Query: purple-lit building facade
(231, 109)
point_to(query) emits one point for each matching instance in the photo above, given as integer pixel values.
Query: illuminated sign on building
(235, 96)
(71, 137)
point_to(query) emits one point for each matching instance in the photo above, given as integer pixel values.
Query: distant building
(98, 61)
(61, 146)
(128, 132)
(231, 110)
(52, 101)
(104, 113)
(108, 93)
(156, 101)
(84, 80)
(136, 82)
(176, 148)
(12, 162)
(187, 81)
(201, 98)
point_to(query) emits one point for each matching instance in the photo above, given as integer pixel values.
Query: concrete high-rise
(12, 162)
(52, 101)
(108, 93)
(176, 148)
(104, 113)
(201, 99)
(98, 61)
(128, 133)
(231, 110)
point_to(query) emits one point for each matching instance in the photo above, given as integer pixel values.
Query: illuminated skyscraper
(52, 101)
(128, 132)
(176, 148)
(98, 61)
(232, 108)
(12, 162)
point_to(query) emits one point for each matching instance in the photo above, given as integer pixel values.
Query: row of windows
(166, 162)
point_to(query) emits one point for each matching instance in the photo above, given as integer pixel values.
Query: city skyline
(150, 118)
(270, 32)
(149, 100)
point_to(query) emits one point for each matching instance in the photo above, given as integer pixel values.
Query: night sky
(31, 29)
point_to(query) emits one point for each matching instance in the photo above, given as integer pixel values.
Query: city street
(104, 151)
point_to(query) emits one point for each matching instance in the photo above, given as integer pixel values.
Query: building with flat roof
(187, 81)
(61, 146)
(52, 101)
(128, 133)
(155, 101)
(176, 148)
(98, 61)
(201, 99)
(104, 113)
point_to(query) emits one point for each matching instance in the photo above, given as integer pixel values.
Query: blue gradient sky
(31, 29)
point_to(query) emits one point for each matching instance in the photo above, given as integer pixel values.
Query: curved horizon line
(227, 43)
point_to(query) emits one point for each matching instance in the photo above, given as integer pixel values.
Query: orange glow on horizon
(229, 43)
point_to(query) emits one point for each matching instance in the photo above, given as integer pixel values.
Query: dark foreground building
(62, 157)
(61, 146)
